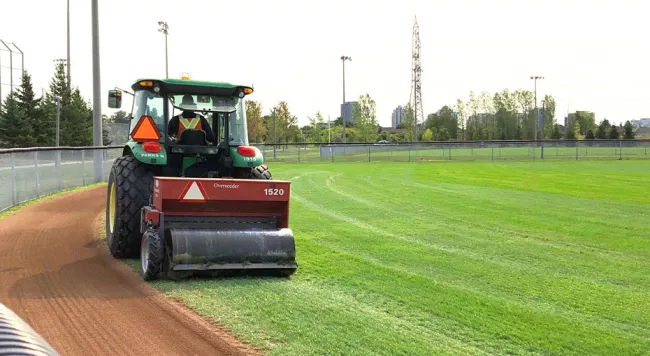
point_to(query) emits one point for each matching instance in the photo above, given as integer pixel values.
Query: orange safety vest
(193, 123)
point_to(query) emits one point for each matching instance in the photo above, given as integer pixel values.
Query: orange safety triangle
(194, 192)
(145, 130)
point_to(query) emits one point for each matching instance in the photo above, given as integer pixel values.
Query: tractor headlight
(241, 94)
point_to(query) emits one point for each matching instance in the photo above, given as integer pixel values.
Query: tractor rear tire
(152, 255)
(133, 184)
(261, 172)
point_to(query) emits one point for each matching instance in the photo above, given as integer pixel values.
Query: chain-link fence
(29, 174)
(456, 151)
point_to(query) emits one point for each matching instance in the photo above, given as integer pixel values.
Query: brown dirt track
(56, 274)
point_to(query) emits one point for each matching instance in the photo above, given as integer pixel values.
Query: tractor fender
(135, 149)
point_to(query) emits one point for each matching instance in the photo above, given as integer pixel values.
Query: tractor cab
(199, 127)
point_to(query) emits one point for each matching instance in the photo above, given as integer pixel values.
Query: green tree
(628, 131)
(79, 123)
(30, 107)
(613, 133)
(587, 121)
(365, 118)
(556, 134)
(427, 135)
(408, 118)
(442, 134)
(316, 128)
(122, 117)
(603, 128)
(573, 130)
(282, 117)
(460, 110)
(75, 114)
(590, 135)
(255, 125)
(549, 115)
(15, 128)
(444, 118)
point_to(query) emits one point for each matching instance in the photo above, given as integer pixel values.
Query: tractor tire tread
(261, 172)
(134, 187)
(156, 254)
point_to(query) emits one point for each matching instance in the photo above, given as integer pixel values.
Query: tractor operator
(189, 120)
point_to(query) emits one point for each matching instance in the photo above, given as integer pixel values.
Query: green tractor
(213, 157)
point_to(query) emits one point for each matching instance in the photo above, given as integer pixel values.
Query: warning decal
(193, 192)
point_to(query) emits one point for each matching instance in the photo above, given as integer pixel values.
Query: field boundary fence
(31, 173)
(456, 151)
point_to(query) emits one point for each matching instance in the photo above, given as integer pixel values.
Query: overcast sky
(593, 54)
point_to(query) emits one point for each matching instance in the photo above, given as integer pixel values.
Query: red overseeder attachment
(214, 223)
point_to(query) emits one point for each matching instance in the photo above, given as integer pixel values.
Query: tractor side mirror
(114, 99)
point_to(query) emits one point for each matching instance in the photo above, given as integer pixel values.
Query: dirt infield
(58, 276)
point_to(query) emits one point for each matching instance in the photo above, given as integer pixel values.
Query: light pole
(11, 68)
(534, 78)
(68, 45)
(543, 117)
(343, 59)
(97, 97)
(58, 118)
(329, 130)
(164, 28)
(22, 60)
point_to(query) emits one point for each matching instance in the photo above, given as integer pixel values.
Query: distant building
(644, 123)
(569, 119)
(397, 116)
(346, 111)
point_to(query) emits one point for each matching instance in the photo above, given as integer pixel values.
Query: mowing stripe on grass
(360, 248)
(507, 258)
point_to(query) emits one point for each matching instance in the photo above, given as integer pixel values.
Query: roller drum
(204, 249)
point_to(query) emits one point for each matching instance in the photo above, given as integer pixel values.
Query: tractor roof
(183, 86)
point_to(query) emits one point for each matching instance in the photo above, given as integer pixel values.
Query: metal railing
(30, 173)
(456, 151)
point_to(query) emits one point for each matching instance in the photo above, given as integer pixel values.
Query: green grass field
(451, 258)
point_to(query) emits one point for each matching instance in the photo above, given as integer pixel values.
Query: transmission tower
(416, 81)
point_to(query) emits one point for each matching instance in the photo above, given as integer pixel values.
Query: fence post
(450, 152)
(409, 152)
(620, 150)
(576, 151)
(368, 153)
(298, 153)
(534, 150)
(38, 184)
(59, 169)
(14, 188)
(83, 167)
(493, 153)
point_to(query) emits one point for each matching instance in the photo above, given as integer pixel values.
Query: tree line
(285, 129)
(504, 115)
(30, 121)
(27, 121)
(510, 115)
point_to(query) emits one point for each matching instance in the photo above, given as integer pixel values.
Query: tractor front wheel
(261, 172)
(130, 184)
(152, 254)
